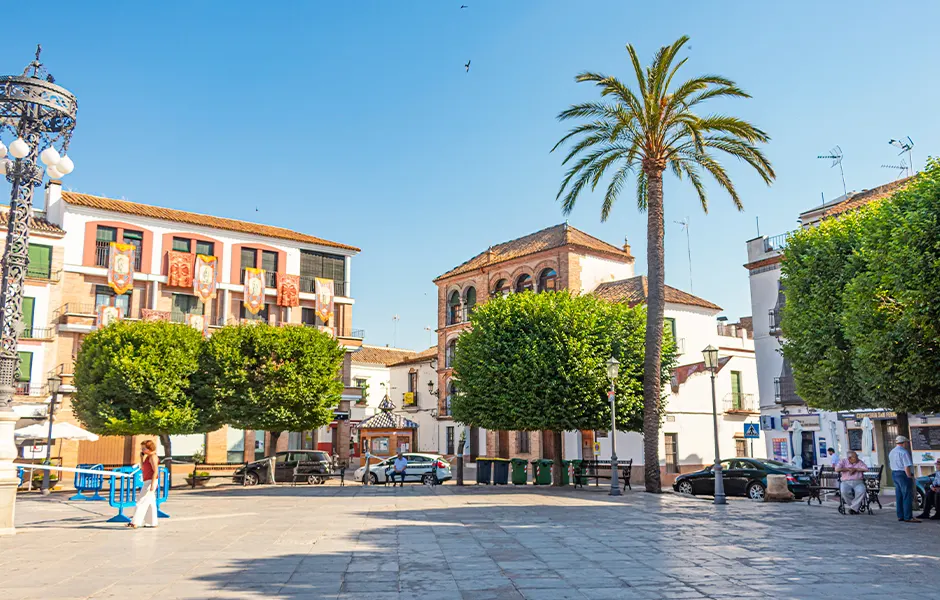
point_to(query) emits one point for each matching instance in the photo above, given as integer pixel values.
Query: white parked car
(429, 469)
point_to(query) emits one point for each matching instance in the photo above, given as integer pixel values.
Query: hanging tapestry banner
(254, 290)
(180, 269)
(148, 314)
(324, 291)
(204, 282)
(198, 322)
(121, 267)
(327, 330)
(288, 290)
(108, 314)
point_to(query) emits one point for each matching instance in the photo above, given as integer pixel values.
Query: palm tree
(642, 133)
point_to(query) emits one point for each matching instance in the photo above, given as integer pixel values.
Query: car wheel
(429, 479)
(314, 479)
(251, 478)
(918, 500)
(755, 491)
(685, 487)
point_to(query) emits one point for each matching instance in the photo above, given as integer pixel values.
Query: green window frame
(26, 366)
(669, 324)
(40, 261)
(181, 244)
(185, 304)
(736, 395)
(205, 248)
(29, 307)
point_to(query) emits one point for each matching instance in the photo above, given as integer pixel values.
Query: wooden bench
(594, 469)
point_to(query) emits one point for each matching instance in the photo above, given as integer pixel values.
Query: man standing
(401, 463)
(900, 462)
(852, 485)
(932, 498)
(834, 458)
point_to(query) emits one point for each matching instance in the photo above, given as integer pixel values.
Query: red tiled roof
(546, 239)
(182, 216)
(429, 354)
(36, 224)
(636, 290)
(862, 198)
(381, 355)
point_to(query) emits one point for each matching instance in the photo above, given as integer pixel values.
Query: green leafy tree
(893, 303)
(640, 133)
(819, 264)
(533, 362)
(272, 378)
(136, 378)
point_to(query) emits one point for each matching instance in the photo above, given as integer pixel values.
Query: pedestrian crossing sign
(751, 431)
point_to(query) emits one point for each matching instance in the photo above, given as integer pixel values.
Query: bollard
(87, 482)
(123, 493)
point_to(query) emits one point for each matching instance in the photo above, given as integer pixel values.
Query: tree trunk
(904, 428)
(655, 305)
(270, 451)
(556, 466)
(167, 455)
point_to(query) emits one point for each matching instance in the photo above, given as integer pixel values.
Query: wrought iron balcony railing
(308, 285)
(736, 402)
(103, 253)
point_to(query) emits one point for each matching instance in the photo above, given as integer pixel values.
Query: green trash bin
(577, 466)
(542, 471)
(500, 471)
(519, 474)
(565, 470)
(484, 470)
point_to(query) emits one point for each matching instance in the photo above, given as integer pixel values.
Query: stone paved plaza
(472, 543)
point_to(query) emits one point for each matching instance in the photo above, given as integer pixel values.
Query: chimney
(626, 246)
(53, 204)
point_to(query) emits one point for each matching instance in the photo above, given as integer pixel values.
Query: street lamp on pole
(711, 364)
(54, 382)
(39, 116)
(613, 368)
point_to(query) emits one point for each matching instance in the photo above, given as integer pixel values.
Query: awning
(60, 431)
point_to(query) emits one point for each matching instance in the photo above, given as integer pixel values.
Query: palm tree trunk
(655, 304)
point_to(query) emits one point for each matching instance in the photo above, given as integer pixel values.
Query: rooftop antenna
(835, 155)
(901, 168)
(688, 244)
(905, 145)
(396, 319)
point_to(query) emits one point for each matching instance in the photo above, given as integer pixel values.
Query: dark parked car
(743, 477)
(311, 466)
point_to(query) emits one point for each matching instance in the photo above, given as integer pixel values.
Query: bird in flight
(467, 66)
(463, 6)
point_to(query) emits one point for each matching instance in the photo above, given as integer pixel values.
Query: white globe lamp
(65, 165)
(49, 156)
(53, 172)
(19, 148)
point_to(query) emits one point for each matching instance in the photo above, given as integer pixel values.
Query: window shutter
(40, 261)
(26, 366)
(29, 305)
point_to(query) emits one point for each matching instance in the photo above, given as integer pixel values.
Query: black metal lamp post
(54, 382)
(613, 369)
(711, 364)
(40, 117)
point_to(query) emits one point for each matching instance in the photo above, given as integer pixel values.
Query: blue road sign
(751, 431)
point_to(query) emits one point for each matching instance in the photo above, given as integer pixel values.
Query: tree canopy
(875, 277)
(538, 362)
(271, 378)
(136, 378)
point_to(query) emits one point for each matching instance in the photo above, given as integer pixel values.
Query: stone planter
(777, 490)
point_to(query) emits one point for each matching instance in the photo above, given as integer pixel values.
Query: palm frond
(721, 176)
(642, 195)
(613, 189)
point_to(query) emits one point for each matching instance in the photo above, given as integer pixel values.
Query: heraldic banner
(324, 291)
(108, 314)
(148, 314)
(288, 290)
(204, 281)
(254, 290)
(180, 269)
(198, 322)
(121, 267)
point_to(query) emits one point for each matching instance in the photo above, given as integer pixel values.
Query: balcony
(775, 315)
(87, 310)
(308, 285)
(37, 333)
(741, 404)
(785, 392)
(776, 243)
(103, 252)
(43, 274)
(270, 279)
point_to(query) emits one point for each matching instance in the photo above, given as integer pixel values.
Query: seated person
(933, 497)
(398, 470)
(852, 486)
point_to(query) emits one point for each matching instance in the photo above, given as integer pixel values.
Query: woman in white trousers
(145, 512)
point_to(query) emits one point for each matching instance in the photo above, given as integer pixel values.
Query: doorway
(502, 444)
(889, 431)
(474, 443)
(808, 450)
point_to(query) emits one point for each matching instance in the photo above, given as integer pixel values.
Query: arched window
(449, 354)
(548, 280)
(453, 308)
(524, 283)
(470, 299)
(502, 288)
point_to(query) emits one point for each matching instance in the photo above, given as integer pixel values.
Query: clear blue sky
(356, 121)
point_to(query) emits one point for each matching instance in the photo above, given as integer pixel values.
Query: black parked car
(312, 466)
(743, 477)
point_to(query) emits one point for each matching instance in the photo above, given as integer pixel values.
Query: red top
(147, 468)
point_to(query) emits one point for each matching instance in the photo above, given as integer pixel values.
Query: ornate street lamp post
(613, 369)
(711, 363)
(40, 117)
